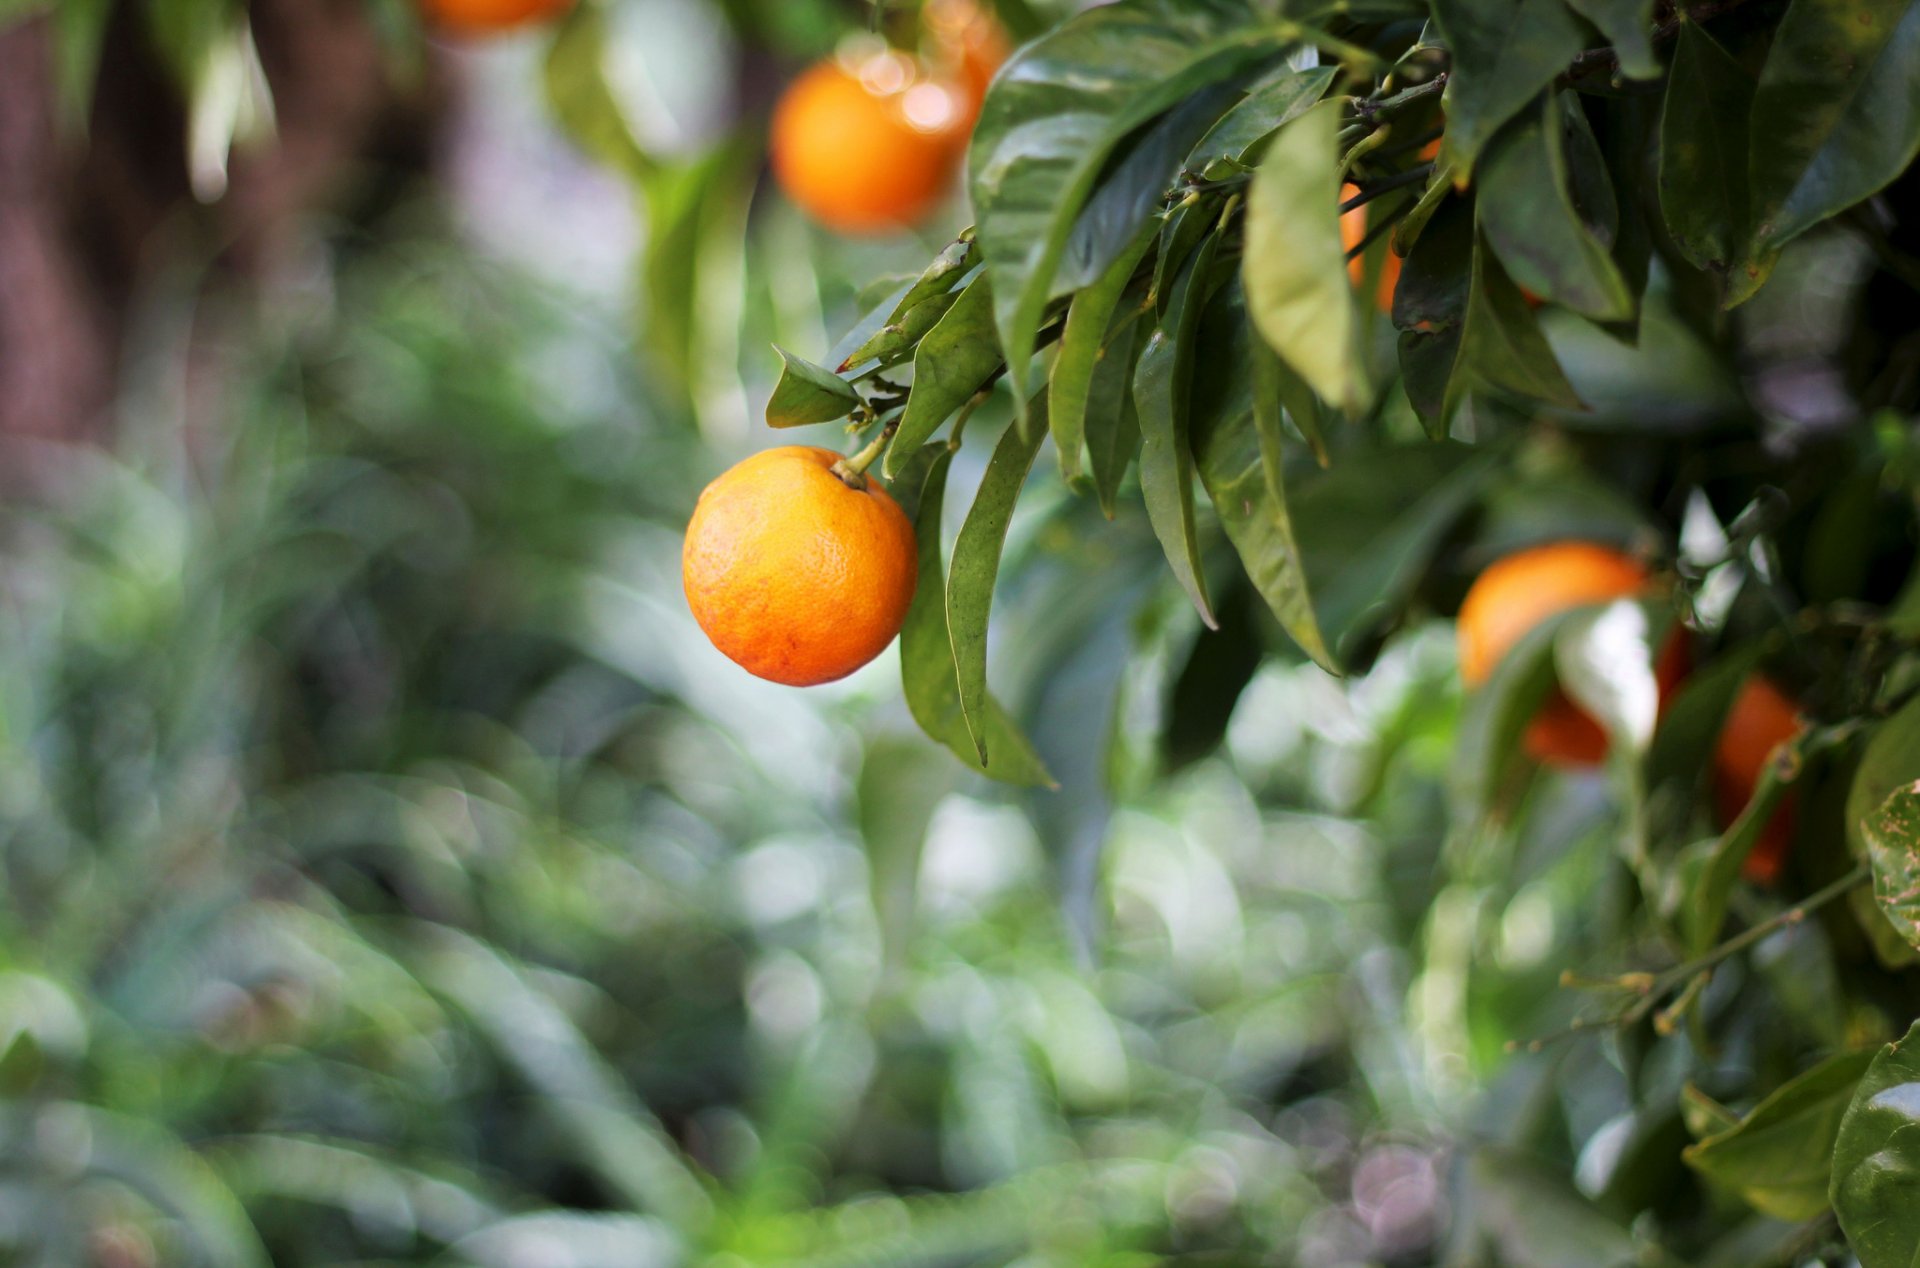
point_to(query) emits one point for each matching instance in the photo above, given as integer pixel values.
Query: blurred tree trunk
(81, 217)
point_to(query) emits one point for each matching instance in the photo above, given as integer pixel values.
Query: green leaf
(1835, 118)
(1189, 221)
(1703, 151)
(1368, 529)
(1501, 347)
(1893, 847)
(941, 276)
(930, 679)
(694, 219)
(953, 361)
(1240, 134)
(1628, 27)
(1703, 1115)
(1495, 719)
(1162, 387)
(1239, 462)
(1706, 907)
(79, 28)
(902, 781)
(1295, 270)
(976, 564)
(1113, 423)
(1090, 332)
(903, 331)
(1527, 214)
(1504, 52)
(574, 76)
(1891, 761)
(1280, 393)
(808, 393)
(1430, 309)
(1521, 1215)
(1876, 1159)
(1056, 113)
(1779, 1157)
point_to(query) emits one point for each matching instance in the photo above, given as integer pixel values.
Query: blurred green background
(393, 875)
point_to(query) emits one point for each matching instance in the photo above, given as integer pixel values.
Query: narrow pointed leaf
(1876, 1159)
(1113, 423)
(903, 332)
(1628, 27)
(1501, 347)
(1162, 385)
(976, 565)
(1241, 132)
(1056, 113)
(1835, 118)
(1083, 345)
(1527, 213)
(1504, 52)
(929, 678)
(1703, 151)
(1295, 271)
(1779, 1157)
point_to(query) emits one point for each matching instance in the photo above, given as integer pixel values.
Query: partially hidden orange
(796, 575)
(1760, 719)
(484, 17)
(871, 147)
(1518, 592)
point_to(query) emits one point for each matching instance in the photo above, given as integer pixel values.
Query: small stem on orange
(852, 470)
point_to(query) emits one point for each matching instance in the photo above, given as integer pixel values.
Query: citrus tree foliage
(1609, 224)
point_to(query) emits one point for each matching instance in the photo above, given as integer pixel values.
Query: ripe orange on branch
(1517, 593)
(799, 575)
(869, 146)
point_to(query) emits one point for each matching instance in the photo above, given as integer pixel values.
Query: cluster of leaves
(1158, 275)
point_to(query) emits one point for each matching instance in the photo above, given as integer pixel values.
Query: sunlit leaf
(1295, 272)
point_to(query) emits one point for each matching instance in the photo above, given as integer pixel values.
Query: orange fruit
(1760, 720)
(483, 17)
(871, 148)
(969, 46)
(799, 577)
(1518, 592)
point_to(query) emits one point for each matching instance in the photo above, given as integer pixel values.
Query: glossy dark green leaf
(1430, 308)
(1779, 1157)
(1706, 906)
(1504, 52)
(1876, 1159)
(1191, 220)
(1058, 110)
(1134, 191)
(1836, 116)
(1628, 27)
(1218, 666)
(1501, 346)
(1892, 834)
(1891, 761)
(929, 677)
(1113, 424)
(574, 75)
(1271, 101)
(976, 565)
(1520, 1214)
(808, 393)
(1238, 459)
(903, 332)
(1162, 385)
(1295, 271)
(1526, 212)
(1084, 345)
(954, 360)
(1703, 151)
